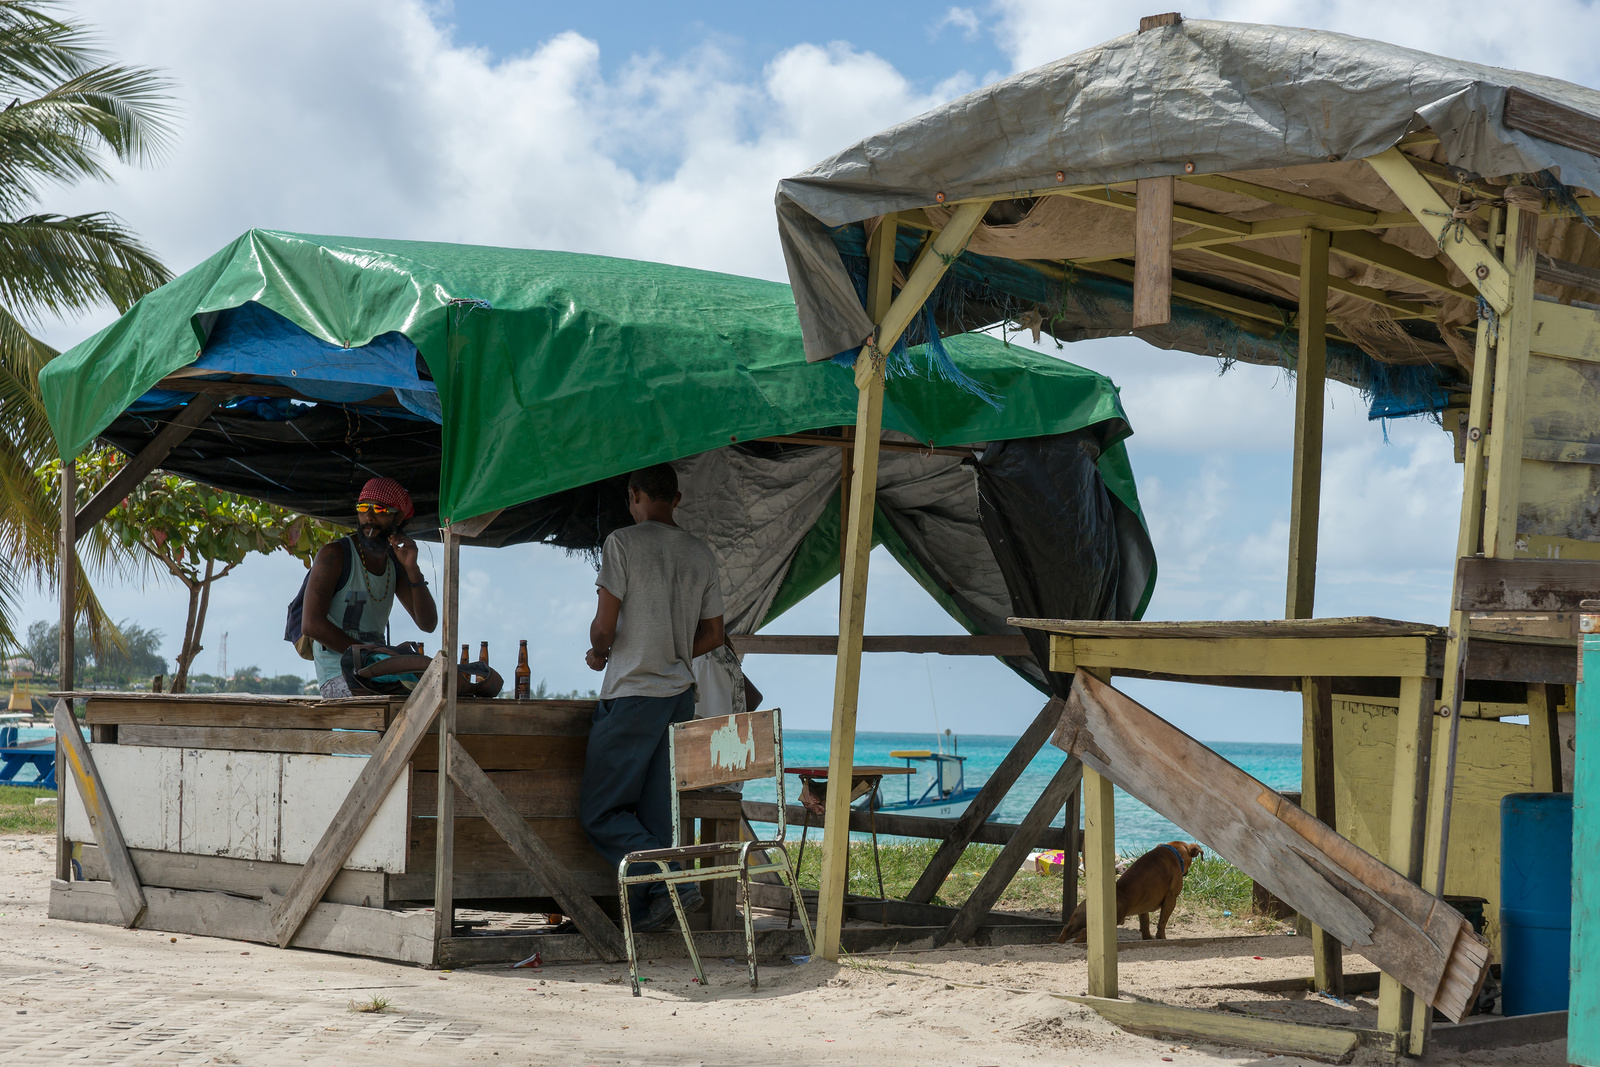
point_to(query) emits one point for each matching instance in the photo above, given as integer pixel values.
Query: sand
(77, 993)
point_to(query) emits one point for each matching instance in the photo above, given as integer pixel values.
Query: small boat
(945, 797)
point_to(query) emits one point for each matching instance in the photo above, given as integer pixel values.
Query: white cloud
(964, 19)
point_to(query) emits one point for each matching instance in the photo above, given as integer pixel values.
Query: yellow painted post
(1510, 376)
(1542, 735)
(1310, 379)
(1100, 877)
(1407, 812)
(892, 321)
(1441, 794)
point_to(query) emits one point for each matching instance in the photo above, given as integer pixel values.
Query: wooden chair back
(726, 749)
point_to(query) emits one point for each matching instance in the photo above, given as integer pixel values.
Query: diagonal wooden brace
(372, 786)
(107, 833)
(133, 472)
(531, 849)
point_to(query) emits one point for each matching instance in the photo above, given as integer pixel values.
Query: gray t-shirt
(667, 581)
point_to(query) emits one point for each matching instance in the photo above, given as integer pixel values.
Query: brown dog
(1151, 882)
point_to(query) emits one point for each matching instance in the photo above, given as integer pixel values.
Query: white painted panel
(248, 805)
(314, 787)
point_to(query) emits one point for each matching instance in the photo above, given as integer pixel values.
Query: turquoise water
(1138, 828)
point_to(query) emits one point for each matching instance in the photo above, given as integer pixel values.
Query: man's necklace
(366, 578)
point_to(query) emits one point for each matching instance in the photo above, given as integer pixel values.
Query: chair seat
(687, 852)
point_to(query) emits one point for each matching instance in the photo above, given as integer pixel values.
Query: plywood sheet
(248, 805)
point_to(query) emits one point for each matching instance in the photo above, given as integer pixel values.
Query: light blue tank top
(360, 607)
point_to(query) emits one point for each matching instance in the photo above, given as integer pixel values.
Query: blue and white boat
(945, 794)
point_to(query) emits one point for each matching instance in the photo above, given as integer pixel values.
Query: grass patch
(374, 1006)
(1213, 885)
(20, 815)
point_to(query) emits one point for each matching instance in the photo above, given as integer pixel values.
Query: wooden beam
(1334, 1044)
(108, 834)
(1524, 585)
(149, 458)
(1100, 875)
(1283, 657)
(1544, 740)
(219, 710)
(1366, 220)
(847, 443)
(939, 644)
(1401, 308)
(1551, 121)
(531, 849)
(317, 742)
(1311, 373)
(370, 790)
(1318, 799)
(1152, 253)
(1573, 275)
(1463, 247)
(475, 526)
(1370, 249)
(982, 806)
(1503, 481)
(1194, 216)
(1566, 332)
(936, 257)
(444, 845)
(1203, 295)
(988, 833)
(213, 388)
(1001, 872)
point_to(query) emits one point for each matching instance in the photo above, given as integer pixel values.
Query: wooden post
(444, 849)
(68, 587)
(1152, 252)
(1544, 738)
(892, 320)
(1310, 381)
(1407, 812)
(1469, 535)
(1071, 846)
(1100, 872)
(1510, 376)
(1317, 798)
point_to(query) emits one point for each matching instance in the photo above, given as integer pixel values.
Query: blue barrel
(1535, 901)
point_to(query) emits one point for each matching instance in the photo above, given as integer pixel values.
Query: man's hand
(595, 659)
(405, 549)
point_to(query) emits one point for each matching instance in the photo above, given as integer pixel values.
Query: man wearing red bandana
(355, 581)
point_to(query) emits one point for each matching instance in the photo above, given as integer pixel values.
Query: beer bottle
(465, 659)
(483, 652)
(524, 683)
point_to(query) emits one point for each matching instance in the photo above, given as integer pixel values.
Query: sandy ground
(75, 993)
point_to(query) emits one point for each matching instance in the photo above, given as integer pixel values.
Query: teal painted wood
(1583, 1013)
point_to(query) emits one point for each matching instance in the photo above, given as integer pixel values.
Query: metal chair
(708, 752)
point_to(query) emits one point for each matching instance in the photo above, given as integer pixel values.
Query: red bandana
(390, 493)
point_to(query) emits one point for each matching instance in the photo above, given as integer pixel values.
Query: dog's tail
(1075, 925)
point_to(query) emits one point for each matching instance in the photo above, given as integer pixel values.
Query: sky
(659, 131)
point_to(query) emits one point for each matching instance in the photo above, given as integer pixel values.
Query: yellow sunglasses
(377, 509)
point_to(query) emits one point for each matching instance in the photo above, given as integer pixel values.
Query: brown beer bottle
(524, 683)
(483, 652)
(464, 658)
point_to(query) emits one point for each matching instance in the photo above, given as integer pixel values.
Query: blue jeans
(625, 802)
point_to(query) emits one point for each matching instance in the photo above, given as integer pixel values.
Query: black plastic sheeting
(1064, 544)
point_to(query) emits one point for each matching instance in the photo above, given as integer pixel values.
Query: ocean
(1138, 828)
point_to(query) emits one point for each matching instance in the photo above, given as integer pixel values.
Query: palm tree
(69, 109)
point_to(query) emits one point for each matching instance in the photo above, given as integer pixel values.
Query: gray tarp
(1221, 96)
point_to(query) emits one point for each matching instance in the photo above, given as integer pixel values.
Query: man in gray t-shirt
(660, 607)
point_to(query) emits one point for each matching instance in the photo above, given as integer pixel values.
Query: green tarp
(557, 369)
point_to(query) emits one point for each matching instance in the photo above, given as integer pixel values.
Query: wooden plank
(993, 791)
(474, 526)
(1503, 478)
(1464, 248)
(257, 715)
(1311, 372)
(1152, 256)
(1407, 822)
(533, 718)
(1360, 626)
(1323, 876)
(548, 794)
(259, 879)
(575, 903)
(406, 937)
(513, 752)
(1100, 873)
(377, 777)
(1569, 274)
(1318, 799)
(1000, 873)
(869, 909)
(246, 805)
(1368, 248)
(479, 849)
(1530, 585)
(1544, 740)
(1485, 1032)
(1328, 1043)
(1503, 660)
(1401, 309)
(828, 645)
(1355, 216)
(137, 467)
(1156, 22)
(724, 749)
(1072, 848)
(1280, 657)
(1557, 123)
(325, 742)
(91, 793)
(1566, 332)
(987, 833)
(444, 851)
(521, 885)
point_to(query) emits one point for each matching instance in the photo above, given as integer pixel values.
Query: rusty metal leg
(627, 925)
(800, 859)
(683, 924)
(872, 821)
(749, 925)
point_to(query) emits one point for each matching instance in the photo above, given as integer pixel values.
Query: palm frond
(60, 264)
